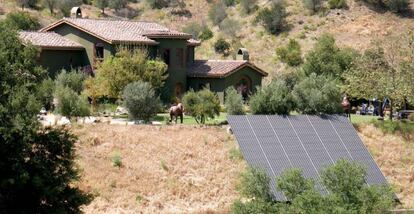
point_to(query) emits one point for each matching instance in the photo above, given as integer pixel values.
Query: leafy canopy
(234, 102)
(37, 166)
(202, 105)
(115, 72)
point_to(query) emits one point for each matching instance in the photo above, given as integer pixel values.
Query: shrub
(312, 5)
(234, 102)
(66, 5)
(193, 28)
(229, 2)
(337, 4)
(158, 4)
(141, 101)
(206, 33)
(73, 80)
(317, 94)
(222, 46)
(217, 13)
(70, 103)
(290, 54)
(248, 6)
(22, 21)
(117, 160)
(347, 192)
(45, 92)
(273, 18)
(201, 105)
(397, 5)
(230, 27)
(275, 98)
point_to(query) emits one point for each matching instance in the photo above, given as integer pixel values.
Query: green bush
(22, 21)
(222, 46)
(141, 101)
(312, 5)
(290, 54)
(44, 92)
(206, 33)
(347, 192)
(193, 28)
(158, 4)
(234, 102)
(117, 160)
(273, 18)
(70, 103)
(327, 58)
(73, 79)
(217, 13)
(404, 128)
(337, 4)
(229, 2)
(201, 105)
(248, 6)
(275, 98)
(317, 94)
(397, 5)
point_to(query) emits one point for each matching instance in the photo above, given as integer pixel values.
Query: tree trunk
(391, 108)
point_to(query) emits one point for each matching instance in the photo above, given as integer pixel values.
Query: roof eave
(60, 48)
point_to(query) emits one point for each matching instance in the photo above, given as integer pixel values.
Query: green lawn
(360, 119)
(188, 120)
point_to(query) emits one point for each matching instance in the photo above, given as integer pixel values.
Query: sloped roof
(118, 31)
(48, 40)
(219, 68)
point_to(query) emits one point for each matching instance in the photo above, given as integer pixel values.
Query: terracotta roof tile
(218, 68)
(48, 40)
(116, 31)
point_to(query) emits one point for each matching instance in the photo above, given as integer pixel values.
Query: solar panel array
(278, 143)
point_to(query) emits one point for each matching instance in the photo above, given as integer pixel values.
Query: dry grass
(395, 157)
(168, 169)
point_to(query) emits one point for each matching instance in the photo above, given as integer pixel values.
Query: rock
(63, 121)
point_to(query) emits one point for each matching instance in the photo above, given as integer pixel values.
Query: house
(81, 43)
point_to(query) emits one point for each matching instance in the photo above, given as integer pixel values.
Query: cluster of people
(375, 107)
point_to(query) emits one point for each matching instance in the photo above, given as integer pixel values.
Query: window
(180, 58)
(190, 57)
(99, 51)
(166, 56)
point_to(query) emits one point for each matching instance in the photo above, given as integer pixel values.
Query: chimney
(243, 54)
(76, 12)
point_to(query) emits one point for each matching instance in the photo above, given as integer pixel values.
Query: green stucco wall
(85, 40)
(176, 73)
(219, 85)
(56, 60)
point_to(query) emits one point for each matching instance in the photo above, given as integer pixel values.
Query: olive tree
(202, 105)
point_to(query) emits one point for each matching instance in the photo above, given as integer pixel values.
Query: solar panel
(276, 143)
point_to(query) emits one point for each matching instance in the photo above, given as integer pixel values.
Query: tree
(158, 4)
(222, 46)
(36, 165)
(234, 102)
(273, 18)
(69, 103)
(26, 3)
(201, 105)
(327, 59)
(290, 54)
(115, 72)
(317, 94)
(275, 98)
(344, 181)
(50, 4)
(141, 101)
(217, 13)
(22, 21)
(101, 4)
(384, 71)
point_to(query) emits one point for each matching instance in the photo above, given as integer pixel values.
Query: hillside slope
(355, 27)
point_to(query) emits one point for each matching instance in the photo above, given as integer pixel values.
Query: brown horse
(177, 111)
